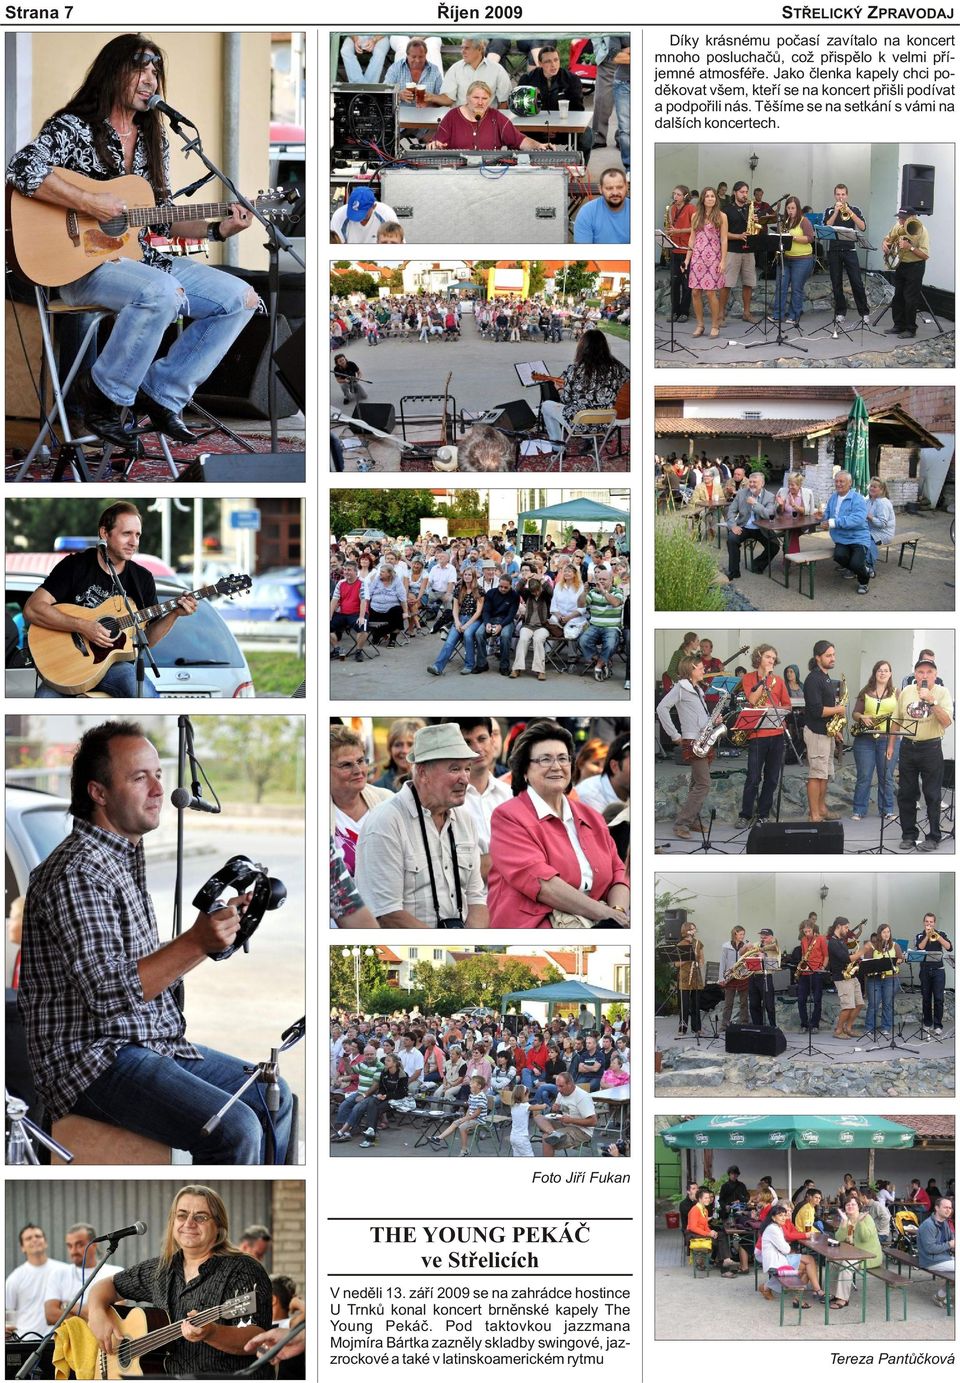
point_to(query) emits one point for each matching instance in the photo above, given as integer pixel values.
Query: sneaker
(369, 1133)
(866, 319)
(626, 685)
(938, 1032)
(846, 574)
(342, 1137)
(464, 1153)
(884, 1034)
(369, 1143)
(862, 589)
(598, 673)
(358, 656)
(554, 1139)
(856, 817)
(434, 671)
(436, 1140)
(760, 821)
(744, 820)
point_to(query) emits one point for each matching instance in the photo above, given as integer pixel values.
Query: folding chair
(71, 447)
(596, 424)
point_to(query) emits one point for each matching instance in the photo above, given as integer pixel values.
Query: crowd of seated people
(539, 1078)
(483, 595)
(491, 787)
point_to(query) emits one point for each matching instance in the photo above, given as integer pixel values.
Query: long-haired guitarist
(104, 131)
(196, 1269)
(106, 1037)
(687, 697)
(84, 579)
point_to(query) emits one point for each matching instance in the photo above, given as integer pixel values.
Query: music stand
(835, 327)
(881, 849)
(661, 344)
(810, 1049)
(925, 957)
(706, 846)
(782, 243)
(881, 969)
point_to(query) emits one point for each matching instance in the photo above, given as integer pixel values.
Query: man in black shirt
(741, 267)
(686, 1205)
(849, 993)
(933, 942)
(820, 698)
(197, 1268)
(84, 579)
(555, 84)
(842, 254)
(732, 1191)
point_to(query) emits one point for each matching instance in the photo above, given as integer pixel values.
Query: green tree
(354, 281)
(486, 978)
(467, 504)
(575, 278)
(537, 276)
(261, 749)
(665, 972)
(373, 978)
(395, 511)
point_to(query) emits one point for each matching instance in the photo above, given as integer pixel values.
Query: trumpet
(934, 936)
(911, 229)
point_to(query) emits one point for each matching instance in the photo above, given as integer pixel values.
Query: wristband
(214, 233)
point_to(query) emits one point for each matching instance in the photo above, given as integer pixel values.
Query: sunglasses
(145, 59)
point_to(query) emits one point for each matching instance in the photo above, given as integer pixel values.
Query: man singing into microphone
(106, 130)
(105, 1034)
(924, 713)
(197, 1268)
(84, 579)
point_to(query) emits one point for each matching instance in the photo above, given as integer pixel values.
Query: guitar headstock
(233, 584)
(239, 1306)
(278, 202)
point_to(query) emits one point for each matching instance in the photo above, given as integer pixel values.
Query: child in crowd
(520, 1144)
(390, 233)
(476, 1115)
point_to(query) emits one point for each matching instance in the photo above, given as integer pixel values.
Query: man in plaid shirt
(105, 1034)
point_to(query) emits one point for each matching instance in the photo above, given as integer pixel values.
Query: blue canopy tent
(589, 512)
(564, 992)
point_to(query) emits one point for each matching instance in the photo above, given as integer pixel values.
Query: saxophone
(802, 966)
(740, 737)
(667, 227)
(753, 225)
(838, 722)
(712, 731)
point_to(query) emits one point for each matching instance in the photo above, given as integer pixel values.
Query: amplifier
(19, 1351)
(246, 468)
(461, 206)
(363, 115)
(796, 838)
(744, 1040)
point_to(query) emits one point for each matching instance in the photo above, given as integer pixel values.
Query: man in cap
(418, 854)
(760, 993)
(914, 251)
(924, 713)
(359, 219)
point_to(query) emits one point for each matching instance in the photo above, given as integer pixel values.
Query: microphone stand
(265, 1073)
(139, 633)
(276, 241)
(674, 345)
(27, 1368)
(270, 1354)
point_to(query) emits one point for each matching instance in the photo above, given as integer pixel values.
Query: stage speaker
(460, 206)
(291, 362)
(238, 386)
(744, 1040)
(673, 920)
(363, 115)
(916, 186)
(796, 838)
(515, 416)
(19, 1351)
(511, 1021)
(246, 468)
(382, 416)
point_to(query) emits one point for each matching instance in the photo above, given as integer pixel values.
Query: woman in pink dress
(706, 258)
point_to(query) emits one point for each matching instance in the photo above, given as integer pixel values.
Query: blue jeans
(468, 637)
(171, 1098)
(147, 301)
(360, 1109)
(621, 104)
(599, 642)
(120, 680)
(879, 996)
(545, 1093)
(794, 280)
(351, 62)
(870, 754)
(504, 643)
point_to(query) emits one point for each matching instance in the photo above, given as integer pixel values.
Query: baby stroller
(906, 1227)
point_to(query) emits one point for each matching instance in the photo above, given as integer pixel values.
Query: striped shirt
(87, 921)
(600, 613)
(367, 1073)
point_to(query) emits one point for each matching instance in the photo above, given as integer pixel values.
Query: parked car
(198, 659)
(273, 596)
(36, 822)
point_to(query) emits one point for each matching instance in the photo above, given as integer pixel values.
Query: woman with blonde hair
(794, 499)
(568, 602)
(399, 743)
(706, 258)
(881, 519)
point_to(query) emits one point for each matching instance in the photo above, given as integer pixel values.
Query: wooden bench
(796, 1288)
(700, 1251)
(911, 1261)
(819, 548)
(949, 1279)
(95, 1144)
(894, 1280)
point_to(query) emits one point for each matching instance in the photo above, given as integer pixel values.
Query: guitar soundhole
(116, 226)
(111, 627)
(124, 1355)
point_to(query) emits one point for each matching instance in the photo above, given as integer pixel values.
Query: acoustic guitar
(147, 1331)
(71, 664)
(53, 245)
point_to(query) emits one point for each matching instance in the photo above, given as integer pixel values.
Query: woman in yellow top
(875, 702)
(798, 262)
(689, 976)
(858, 1229)
(880, 991)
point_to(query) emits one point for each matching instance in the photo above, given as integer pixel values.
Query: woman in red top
(476, 125)
(764, 690)
(810, 972)
(547, 851)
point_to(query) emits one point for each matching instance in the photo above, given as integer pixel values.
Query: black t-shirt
(685, 1206)
(80, 580)
(838, 956)
(732, 1191)
(564, 86)
(737, 217)
(843, 223)
(818, 691)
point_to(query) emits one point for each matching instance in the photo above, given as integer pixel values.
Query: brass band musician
(690, 974)
(880, 989)
(926, 708)
(933, 941)
(908, 236)
(810, 972)
(842, 964)
(762, 688)
(687, 696)
(735, 989)
(761, 993)
(842, 253)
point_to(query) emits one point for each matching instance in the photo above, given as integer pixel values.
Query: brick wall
(289, 1229)
(931, 404)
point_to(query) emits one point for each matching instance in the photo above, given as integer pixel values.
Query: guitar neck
(151, 612)
(153, 215)
(155, 1339)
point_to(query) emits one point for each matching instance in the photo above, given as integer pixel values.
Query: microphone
(183, 798)
(173, 115)
(138, 1228)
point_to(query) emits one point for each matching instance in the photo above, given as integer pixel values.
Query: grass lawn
(615, 329)
(275, 673)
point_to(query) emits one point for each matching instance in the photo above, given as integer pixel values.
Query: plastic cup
(564, 109)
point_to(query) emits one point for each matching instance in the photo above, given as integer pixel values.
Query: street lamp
(355, 952)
